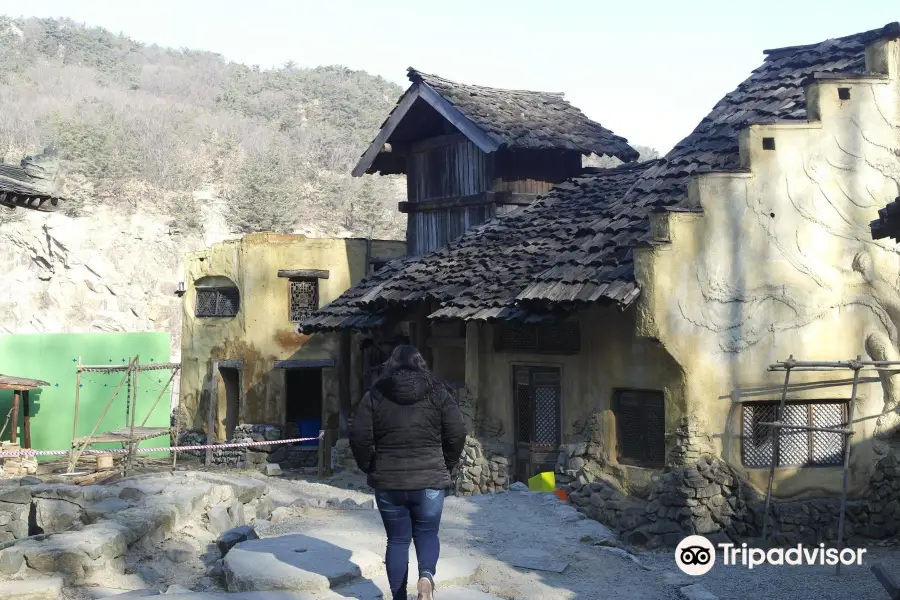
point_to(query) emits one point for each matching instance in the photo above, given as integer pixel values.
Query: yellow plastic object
(542, 482)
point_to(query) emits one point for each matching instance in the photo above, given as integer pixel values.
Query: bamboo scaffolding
(789, 366)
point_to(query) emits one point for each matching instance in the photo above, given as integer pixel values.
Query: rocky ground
(306, 539)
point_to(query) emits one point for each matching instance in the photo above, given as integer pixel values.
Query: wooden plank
(437, 142)
(479, 199)
(26, 425)
(459, 120)
(375, 148)
(304, 273)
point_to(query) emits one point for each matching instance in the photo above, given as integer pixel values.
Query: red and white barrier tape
(23, 452)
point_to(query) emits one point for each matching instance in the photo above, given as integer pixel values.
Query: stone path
(163, 534)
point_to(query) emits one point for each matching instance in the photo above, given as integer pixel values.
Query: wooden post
(343, 373)
(211, 417)
(14, 420)
(132, 446)
(26, 416)
(776, 443)
(847, 443)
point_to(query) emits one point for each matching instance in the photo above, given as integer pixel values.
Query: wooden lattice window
(538, 405)
(547, 338)
(217, 302)
(304, 298)
(641, 427)
(797, 448)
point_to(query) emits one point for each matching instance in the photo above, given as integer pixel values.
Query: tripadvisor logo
(696, 555)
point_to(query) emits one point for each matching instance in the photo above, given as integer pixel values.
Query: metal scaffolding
(791, 365)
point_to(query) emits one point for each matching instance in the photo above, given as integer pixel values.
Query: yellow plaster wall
(612, 357)
(262, 333)
(781, 262)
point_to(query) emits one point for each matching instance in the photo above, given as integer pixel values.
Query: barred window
(797, 447)
(538, 405)
(304, 298)
(217, 302)
(640, 427)
(547, 338)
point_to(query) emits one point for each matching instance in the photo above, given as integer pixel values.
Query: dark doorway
(303, 401)
(231, 378)
(538, 403)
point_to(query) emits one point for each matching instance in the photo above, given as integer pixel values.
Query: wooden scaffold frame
(131, 435)
(789, 366)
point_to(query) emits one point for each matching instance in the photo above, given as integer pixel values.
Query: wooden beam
(304, 273)
(459, 120)
(343, 372)
(480, 199)
(375, 148)
(26, 415)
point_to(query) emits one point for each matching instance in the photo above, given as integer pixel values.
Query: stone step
(47, 588)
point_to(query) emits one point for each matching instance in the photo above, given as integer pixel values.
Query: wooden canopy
(20, 384)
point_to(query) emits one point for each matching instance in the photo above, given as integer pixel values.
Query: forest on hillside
(140, 127)
(143, 127)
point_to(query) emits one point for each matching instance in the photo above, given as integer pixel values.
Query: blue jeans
(410, 516)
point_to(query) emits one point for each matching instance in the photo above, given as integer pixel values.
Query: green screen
(54, 357)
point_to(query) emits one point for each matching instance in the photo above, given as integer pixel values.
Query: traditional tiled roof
(31, 183)
(575, 245)
(522, 119)
(480, 275)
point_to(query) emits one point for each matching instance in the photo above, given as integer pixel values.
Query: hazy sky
(649, 70)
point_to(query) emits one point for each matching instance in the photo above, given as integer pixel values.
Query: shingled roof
(575, 245)
(496, 118)
(524, 119)
(31, 183)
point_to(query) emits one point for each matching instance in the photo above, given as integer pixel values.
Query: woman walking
(407, 435)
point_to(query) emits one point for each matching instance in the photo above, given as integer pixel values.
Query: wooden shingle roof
(574, 246)
(522, 119)
(492, 119)
(31, 183)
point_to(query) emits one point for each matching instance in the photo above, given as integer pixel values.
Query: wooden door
(538, 405)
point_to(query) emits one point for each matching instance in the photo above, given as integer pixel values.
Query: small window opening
(304, 298)
(772, 215)
(844, 93)
(768, 143)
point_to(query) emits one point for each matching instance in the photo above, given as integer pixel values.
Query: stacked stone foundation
(291, 456)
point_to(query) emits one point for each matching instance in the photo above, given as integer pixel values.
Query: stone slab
(535, 560)
(118, 595)
(296, 563)
(48, 588)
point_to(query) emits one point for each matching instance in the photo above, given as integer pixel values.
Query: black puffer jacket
(407, 433)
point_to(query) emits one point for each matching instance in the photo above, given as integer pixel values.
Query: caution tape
(23, 452)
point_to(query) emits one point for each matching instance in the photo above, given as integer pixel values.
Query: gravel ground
(487, 526)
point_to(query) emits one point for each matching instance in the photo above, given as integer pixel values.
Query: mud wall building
(241, 353)
(636, 310)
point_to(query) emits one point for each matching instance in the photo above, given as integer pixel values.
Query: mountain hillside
(166, 151)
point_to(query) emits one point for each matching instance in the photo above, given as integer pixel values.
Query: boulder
(235, 536)
(219, 520)
(272, 469)
(55, 515)
(180, 553)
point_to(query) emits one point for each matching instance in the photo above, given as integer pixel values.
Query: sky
(648, 70)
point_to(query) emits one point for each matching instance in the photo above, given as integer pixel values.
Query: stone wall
(710, 498)
(288, 455)
(484, 468)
